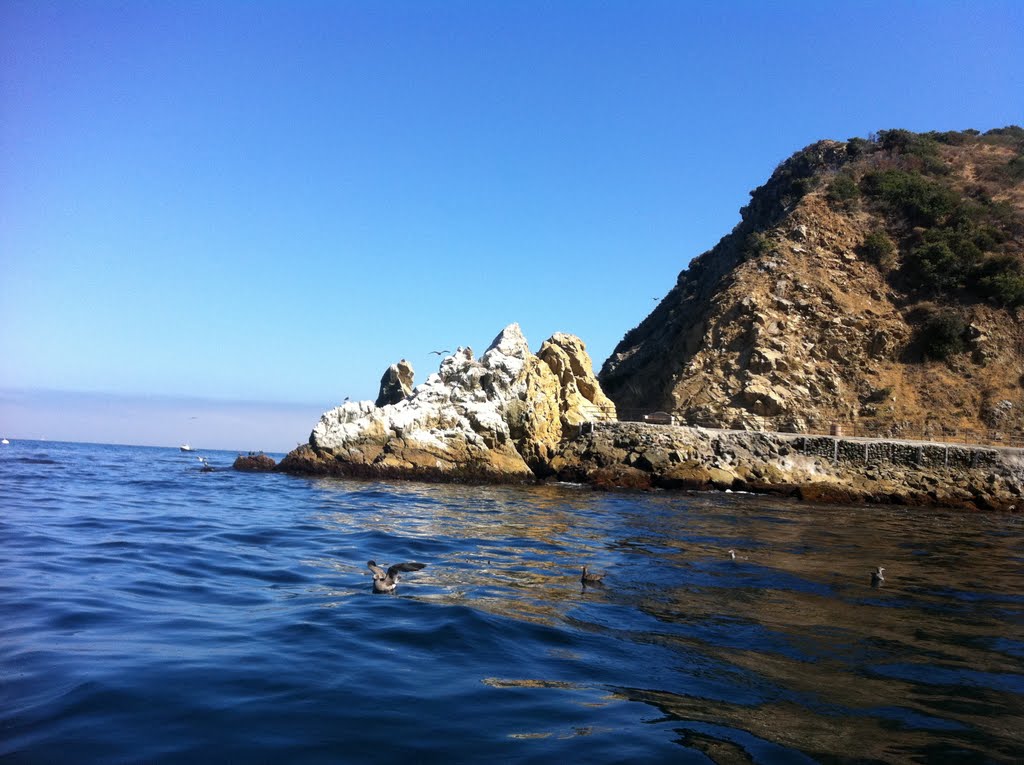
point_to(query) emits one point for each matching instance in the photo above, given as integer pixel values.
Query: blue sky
(263, 204)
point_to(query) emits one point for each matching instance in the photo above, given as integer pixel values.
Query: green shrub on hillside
(943, 335)
(937, 268)
(1015, 169)
(953, 235)
(1009, 133)
(801, 186)
(1006, 288)
(879, 249)
(922, 201)
(949, 233)
(858, 147)
(1001, 278)
(1004, 219)
(842, 192)
(756, 244)
(947, 259)
(952, 137)
(923, 147)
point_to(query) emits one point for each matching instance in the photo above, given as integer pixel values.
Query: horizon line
(23, 392)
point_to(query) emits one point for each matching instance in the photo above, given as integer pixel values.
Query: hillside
(874, 282)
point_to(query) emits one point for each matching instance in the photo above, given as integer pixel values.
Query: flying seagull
(876, 577)
(590, 578)
(440, 353)
(386, 581)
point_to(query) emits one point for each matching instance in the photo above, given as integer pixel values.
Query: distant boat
(5, 441)
(185, 447)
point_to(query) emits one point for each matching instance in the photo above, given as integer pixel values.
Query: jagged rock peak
(396, 383)
(502, 416)
(510, 342)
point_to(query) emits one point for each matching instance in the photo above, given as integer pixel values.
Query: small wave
(248, 613)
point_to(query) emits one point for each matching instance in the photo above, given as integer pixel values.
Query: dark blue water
(153, 613)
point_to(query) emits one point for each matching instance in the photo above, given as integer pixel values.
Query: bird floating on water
(734, 556)
(588, 577)
(876, 577)
(386, 581)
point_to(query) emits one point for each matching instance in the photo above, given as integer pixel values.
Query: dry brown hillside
(877, 283)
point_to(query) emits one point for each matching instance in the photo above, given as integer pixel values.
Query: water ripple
(151, 612)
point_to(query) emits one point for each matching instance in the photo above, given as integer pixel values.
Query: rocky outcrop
(820, 469)
(396, 383)
(501, 417)
(254, 462)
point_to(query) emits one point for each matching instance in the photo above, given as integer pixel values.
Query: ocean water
(150, 612)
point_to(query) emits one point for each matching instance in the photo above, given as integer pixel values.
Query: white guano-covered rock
(502, 416)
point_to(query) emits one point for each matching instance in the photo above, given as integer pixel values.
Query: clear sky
(215, 207)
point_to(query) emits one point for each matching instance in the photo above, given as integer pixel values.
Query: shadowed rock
(396, 383)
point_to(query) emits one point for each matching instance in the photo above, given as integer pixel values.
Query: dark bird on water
(386, 581)
(440, 353)
(588, 577)
(876, 577)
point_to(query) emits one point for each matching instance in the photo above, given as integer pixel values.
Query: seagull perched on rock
(386, 581)
(876, 577)
(590, 578)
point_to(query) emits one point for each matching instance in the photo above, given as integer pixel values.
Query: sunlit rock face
(501, 417)
(815, 311)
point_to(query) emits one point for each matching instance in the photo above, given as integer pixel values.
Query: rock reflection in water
(516, 551)
(789, 649)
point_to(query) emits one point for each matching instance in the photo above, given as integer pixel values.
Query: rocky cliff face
(500, 417)
(878, 282)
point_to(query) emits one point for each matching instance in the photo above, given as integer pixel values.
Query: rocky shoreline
(513, 416)
(823, 469)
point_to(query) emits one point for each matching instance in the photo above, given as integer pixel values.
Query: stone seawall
(817, 468)
(867, 451)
